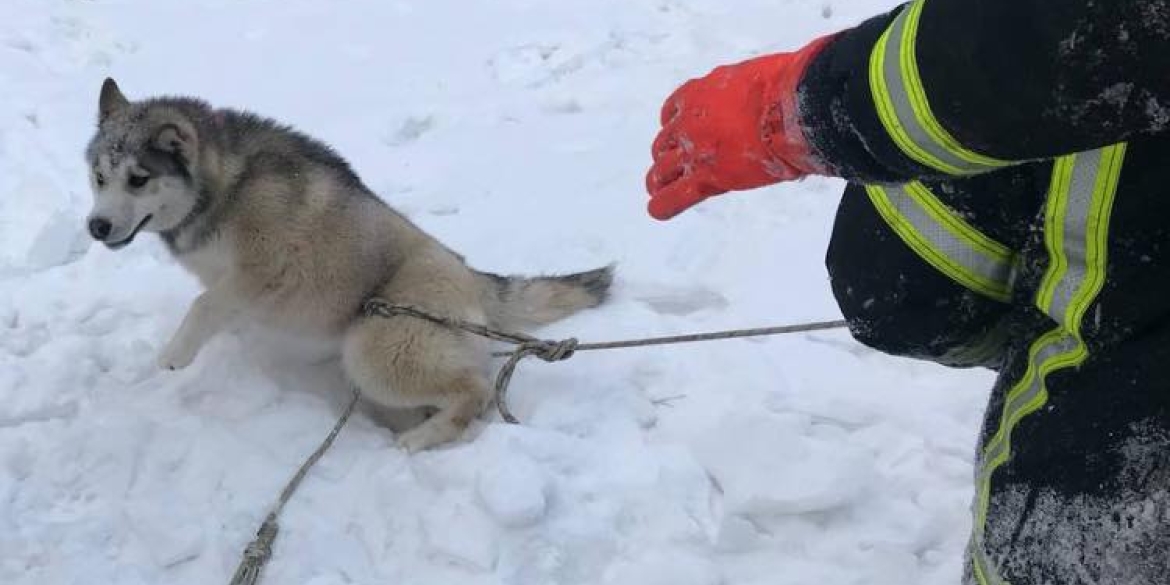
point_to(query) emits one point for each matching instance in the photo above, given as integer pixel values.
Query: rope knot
(258, 551)
(553, 351)
(378, 307)
(525, 346)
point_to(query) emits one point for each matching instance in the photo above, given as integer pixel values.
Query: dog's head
(142, 164)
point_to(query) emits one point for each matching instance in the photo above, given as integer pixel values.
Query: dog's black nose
(99, 228)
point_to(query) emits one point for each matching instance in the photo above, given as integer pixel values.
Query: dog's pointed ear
(177, 138)
(111, 100)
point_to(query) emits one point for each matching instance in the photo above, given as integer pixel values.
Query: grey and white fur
(278, 228)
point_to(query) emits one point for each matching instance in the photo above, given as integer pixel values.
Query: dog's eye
(138, 181)
(100, 179)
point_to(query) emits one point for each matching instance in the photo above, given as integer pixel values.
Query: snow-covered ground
(518, 132)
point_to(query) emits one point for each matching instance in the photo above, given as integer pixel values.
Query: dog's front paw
(176, 356)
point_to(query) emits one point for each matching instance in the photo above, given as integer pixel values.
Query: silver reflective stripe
(1076, 230)
(1016, 405)
(974, 261)
(1057, 350)
(1075, 224)
(945, 240)
(903, 108)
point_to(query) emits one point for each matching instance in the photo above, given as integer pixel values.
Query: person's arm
(898, 304)
(954, 87)
(928, 285)
(936, 88)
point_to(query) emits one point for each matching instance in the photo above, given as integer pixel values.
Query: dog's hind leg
(407, 363)
(460, 406)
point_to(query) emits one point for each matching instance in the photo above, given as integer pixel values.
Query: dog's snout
(99, 228)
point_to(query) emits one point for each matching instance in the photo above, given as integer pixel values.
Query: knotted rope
(555, 351)
(258, 552)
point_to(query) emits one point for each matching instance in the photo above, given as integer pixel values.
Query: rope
(556, 351)
(259, 551)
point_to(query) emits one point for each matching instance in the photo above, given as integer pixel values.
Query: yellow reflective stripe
(984, 575)
(1097, 253)
(945, 240)
(988, 348)
(953, 222)
(1085, 174)
(889, 116)
(1077, 214)
(902, 105)
(917, 93)
(1054, 230)
(1055, 350)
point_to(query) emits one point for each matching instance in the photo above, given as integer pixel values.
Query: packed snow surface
(518, 132)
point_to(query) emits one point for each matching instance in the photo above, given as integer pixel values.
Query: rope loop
(259, 551)
(553, 351)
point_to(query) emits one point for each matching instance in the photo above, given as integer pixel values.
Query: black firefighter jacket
(1009, 207)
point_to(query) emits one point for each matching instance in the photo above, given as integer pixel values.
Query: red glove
(732, 130)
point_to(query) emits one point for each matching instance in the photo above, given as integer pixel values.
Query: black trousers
(1084, 495)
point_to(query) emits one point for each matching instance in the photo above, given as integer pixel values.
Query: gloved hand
(732, 130)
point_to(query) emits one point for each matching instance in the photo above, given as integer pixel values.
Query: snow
(518, 132)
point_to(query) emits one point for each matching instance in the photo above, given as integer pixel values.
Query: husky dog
(278, 228)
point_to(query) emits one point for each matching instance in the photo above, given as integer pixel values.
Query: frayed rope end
(257, 553)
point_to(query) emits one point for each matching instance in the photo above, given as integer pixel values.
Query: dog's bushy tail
(520, 303)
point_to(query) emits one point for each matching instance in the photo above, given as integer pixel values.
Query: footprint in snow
(682, 302)
(411, 130)
(562, 106)
(523, 64)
